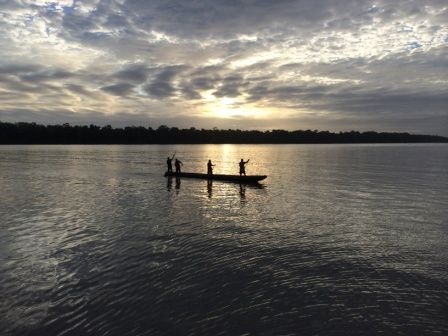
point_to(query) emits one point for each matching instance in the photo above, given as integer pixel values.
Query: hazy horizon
(247, 64)
(267, 129)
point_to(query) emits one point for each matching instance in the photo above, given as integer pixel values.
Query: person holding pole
(242, 164)
(169, 163)
(177, 164)
(210, 166)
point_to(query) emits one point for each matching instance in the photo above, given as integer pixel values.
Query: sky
(248, 64)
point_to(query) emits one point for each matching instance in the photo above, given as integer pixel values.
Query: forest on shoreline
(32, 133)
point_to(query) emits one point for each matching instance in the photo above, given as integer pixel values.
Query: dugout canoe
(220, 177)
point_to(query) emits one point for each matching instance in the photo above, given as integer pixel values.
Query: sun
(227, 107)
(221, 107)
(231, 107)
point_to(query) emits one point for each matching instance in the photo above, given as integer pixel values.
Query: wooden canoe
(220, 177)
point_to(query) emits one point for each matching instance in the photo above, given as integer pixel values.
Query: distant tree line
(32, 133)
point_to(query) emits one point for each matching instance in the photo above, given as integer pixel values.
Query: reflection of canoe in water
(221, 177)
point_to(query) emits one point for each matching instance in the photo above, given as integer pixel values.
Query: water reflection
(344, 240)
(169, 183)
(230, 186)
(209, 188)
(177, 182)
(242, 191)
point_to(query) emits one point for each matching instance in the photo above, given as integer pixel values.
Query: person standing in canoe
(210, 166)
(177, 164)
(242, 164)
(169, 163)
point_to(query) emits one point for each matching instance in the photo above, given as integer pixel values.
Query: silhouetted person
(242, 164)
(177, 164)
(210, 166)
(169, 164)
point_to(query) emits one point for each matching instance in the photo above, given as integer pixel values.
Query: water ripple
(94, 241)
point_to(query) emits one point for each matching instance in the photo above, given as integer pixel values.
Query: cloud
(230, 87)
(78, 89)
(137, 73)
(163, 84)
(300, 63)
(120, 89)
(52, 75)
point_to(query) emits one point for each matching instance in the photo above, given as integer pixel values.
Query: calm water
(339, 240)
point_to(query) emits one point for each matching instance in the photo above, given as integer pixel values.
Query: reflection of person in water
(177, 183)
(177, 164)
(169, 183)
(242, 191)
(209, 188)
(169, 164)
(242, 164)
(210, 166)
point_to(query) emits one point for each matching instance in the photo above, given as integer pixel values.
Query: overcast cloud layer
(319, 64)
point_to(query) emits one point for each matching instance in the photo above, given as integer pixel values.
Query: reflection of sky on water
(85, 227)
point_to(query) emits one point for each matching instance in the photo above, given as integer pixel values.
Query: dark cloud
(10, 4)
(77, 25)
(162, 86)
(14, 84)
(203, 83)
(79, 89)
(120, 89)
(160, 89)
(189, 93)
(137, 73)
(47, 75)
(231, 86)
(352, 103)
(18, 69)
(115, 20)
(225, 18)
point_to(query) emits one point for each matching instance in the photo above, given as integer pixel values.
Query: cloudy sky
(251, 64)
